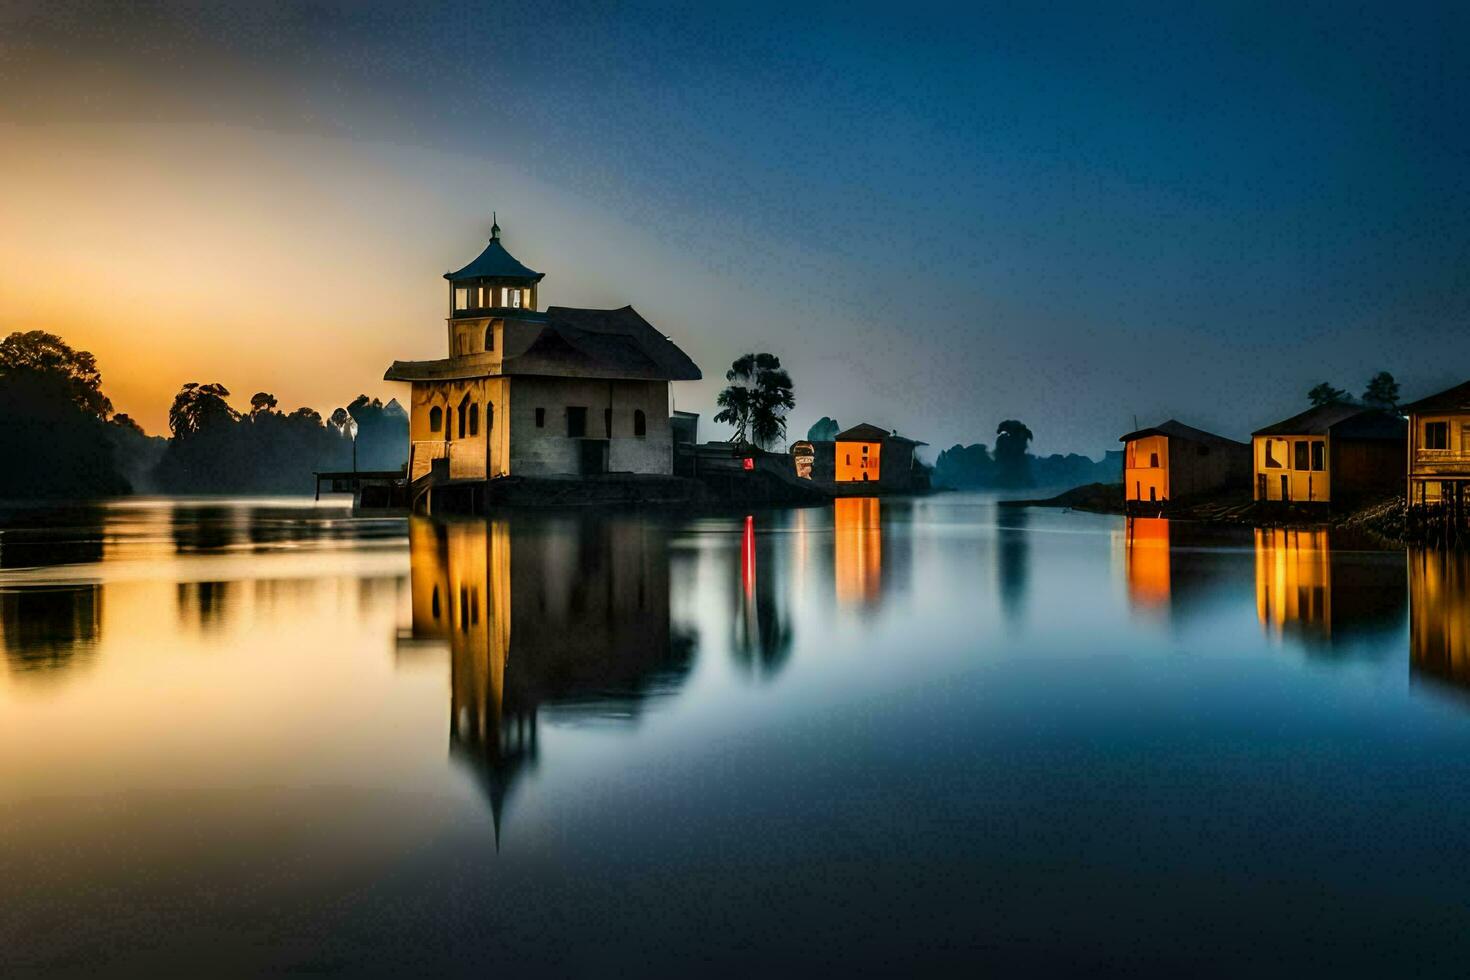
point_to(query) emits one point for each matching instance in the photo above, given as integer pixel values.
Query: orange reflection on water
(1439, 614)
(1293, 580)
(1147, 560)
(857, 548)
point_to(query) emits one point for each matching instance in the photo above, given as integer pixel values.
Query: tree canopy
(43, 360)
(1382, 391)
(757, 399)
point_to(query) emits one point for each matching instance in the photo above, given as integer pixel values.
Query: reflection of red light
(748, 463)
(747, 556)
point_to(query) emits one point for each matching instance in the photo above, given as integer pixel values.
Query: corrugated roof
(495, 263)
(1174, 429)
(1347, 420)
(1456, 399)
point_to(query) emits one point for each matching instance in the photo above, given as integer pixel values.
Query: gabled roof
(867, 432)
(567, 342)
(495, 263)
(1343, 420)
(1456, 399)
(1175, 429)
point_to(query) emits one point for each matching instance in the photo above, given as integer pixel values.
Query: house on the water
(865, 459)
(1173, 461)
(1330, 453)
(1439, 449)
(538, 393)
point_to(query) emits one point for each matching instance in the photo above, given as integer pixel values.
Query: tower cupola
(495, 280)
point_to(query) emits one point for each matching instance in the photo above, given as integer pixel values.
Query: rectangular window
(515, 299)
(607, 421)
(576, 423)
(1436, 435)
(1319, 455)
(1303, 455)
(540, 418)
(1153, 461)
(461, 298)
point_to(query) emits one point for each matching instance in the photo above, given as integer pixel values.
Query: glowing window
(461, 298)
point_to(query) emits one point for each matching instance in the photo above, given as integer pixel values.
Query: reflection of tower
(1013, 562)
(555, 617)
(1147, 560)
(857, 549)
(1439, 614)
(1308, 590)
(762, 624)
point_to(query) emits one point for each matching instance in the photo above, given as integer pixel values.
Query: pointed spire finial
(494, 226)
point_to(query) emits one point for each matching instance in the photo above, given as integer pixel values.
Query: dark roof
(866, 432)
(1456, 399)
(567, 342)
(495, 263)
(1343, 420)
(1175, 429)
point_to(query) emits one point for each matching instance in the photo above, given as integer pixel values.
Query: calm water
(869, 738)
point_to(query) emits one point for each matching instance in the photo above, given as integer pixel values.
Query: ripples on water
(878, 736)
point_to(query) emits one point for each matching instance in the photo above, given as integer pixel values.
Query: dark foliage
(54, 434)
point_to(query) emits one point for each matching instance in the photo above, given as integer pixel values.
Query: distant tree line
(1009, 465)
(59, 437)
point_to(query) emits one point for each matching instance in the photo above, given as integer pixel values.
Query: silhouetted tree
(823, 430)
(198, 407)
(1382, 391)
(262, 403)
(757, 399)
(1012, 465)
(54, 437)
(1325, 394)
(42, 359)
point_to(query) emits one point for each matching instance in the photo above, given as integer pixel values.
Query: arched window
(490, 337)
(640, 423)
(436, 419)
(464, 410)
(474, 420)
(489, 417)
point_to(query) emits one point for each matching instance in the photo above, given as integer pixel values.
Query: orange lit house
(866, 458)
(1329, 453)
(1172, 461)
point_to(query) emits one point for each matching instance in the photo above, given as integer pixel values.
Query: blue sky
(939, 217)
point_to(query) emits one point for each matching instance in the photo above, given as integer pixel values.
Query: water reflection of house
(1178, 566)
(1146, 558)
(564, 615)
(857, 548)
(1306, 590)
(1439, 614)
